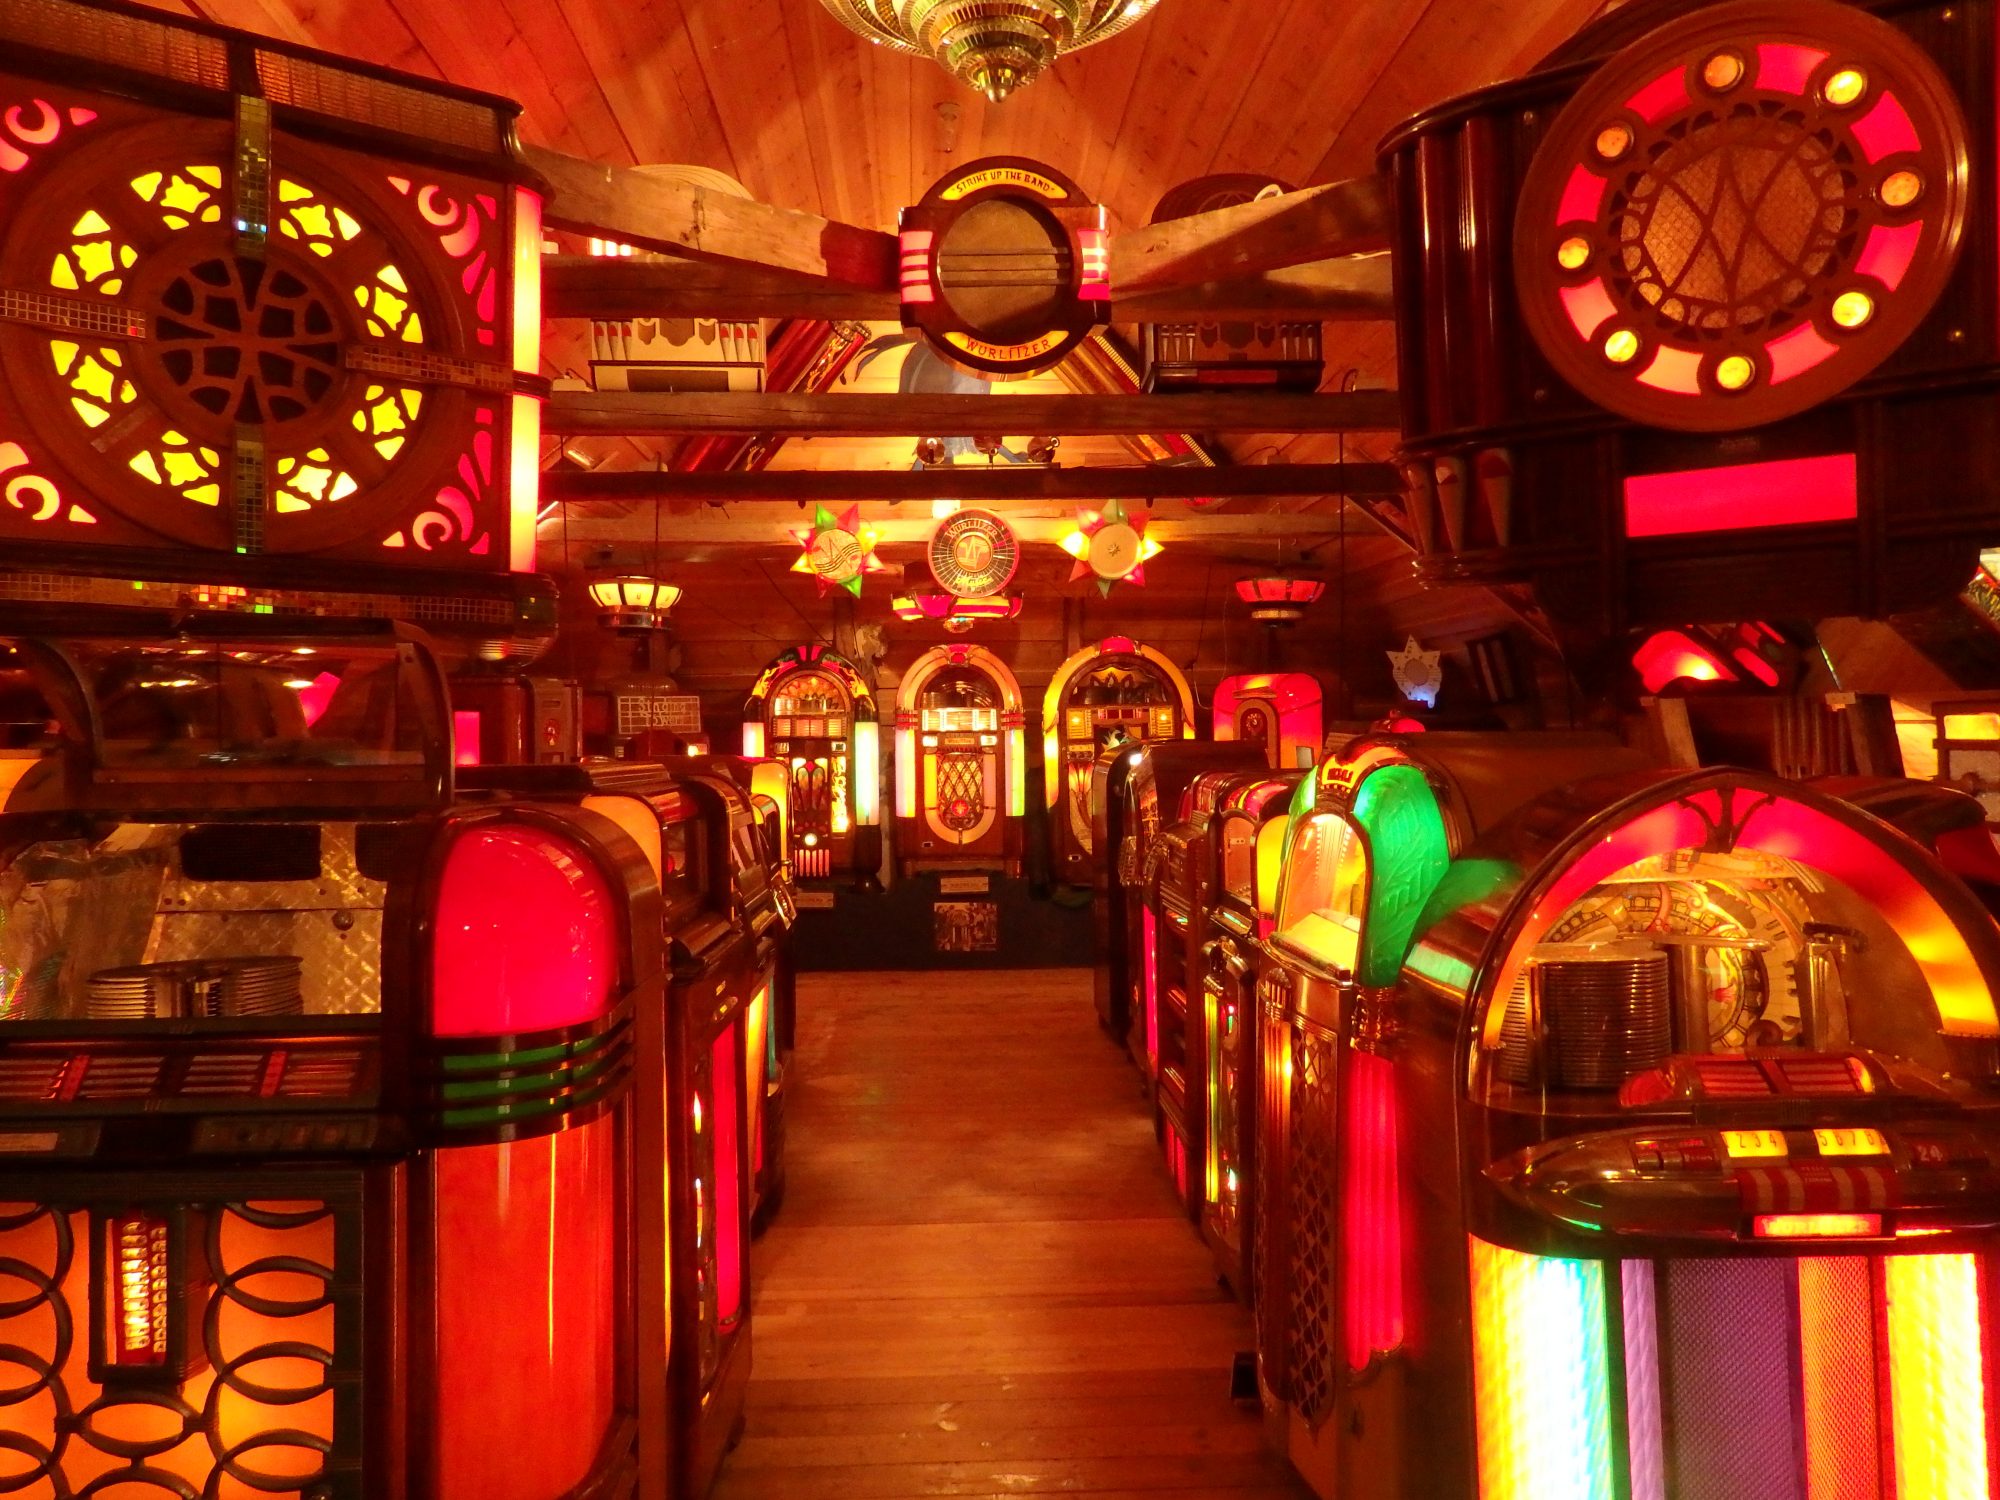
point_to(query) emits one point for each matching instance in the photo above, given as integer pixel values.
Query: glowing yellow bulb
(1901, 189)
(1613, 141)
(1846, 86)
(1734, 373)
(1622, 347)
(1722, 71)
(1573, 254)
(1852, 309)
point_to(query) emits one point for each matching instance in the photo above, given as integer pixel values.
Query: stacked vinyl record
(209, 987)
(1607, 1012)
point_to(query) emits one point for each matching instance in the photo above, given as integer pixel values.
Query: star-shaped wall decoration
(1419, 673)
(1110, 546)
(839, 551)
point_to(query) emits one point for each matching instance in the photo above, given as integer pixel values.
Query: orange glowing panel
(527, 1303)
(1677, 370)
(1797, 352)
(1753, 1143)
(1937, 1376)
(525, 475)
(140, 1290)
(1663, 96)
(1817, 1226)
(756, 1039)
(1837, 1375)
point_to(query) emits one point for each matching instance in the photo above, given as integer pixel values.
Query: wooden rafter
(636, 414)
(974, 485)
(590, 286)
(1317, 253)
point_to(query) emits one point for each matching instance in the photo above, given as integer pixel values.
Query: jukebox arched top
(1716, 933)
(1282, 710)
(1367, 845)
(1108, 694)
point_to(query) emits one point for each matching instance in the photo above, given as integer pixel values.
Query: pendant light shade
(994, 46)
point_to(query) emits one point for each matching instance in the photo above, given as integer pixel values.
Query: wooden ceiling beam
(661, 414)
(1226, 244)
(714, 528)
(622, 204)
(1354, 288)
(974, 486)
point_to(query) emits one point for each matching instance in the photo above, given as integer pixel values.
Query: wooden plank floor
(979, 1283)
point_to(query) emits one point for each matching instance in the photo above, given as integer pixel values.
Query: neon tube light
(906, 772)
(1937, 1376)
(1540, 1374)
(867, 773)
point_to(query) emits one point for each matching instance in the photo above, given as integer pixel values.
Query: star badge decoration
(1110, 546)
(838, 550)
(1418, 673)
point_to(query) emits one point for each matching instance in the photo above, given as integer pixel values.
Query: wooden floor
(980, 1283)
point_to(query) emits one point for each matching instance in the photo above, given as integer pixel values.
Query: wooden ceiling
(808, 116)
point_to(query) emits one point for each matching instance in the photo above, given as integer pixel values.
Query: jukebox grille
(961, 793)
(261, 1419)
(1315, 1127)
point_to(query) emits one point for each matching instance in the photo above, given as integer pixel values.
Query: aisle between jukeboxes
(1715, 1213)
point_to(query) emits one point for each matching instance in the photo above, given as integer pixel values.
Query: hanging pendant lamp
(994, 46)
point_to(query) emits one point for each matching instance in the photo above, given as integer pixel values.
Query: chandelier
(634, 601)
(1279, 598)
(994, 46)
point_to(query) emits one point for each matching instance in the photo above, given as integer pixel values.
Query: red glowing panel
(1096, 265)
(1371, 1213)
(1785, 68)
(525, 937)
(527, 1299)
(1589, 307)
(1671, 369)
(1786, 492)
(725, 1120)
(1669, 656)
(1661, 97)
(915, 248)
(1755, 665)
(1798, 351)
(1582, 196)
(1150, 953)
(1889, 252)
(316, 696)
(465, 736)
(1886, 129)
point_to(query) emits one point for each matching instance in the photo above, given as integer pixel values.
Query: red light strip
(1786, 492)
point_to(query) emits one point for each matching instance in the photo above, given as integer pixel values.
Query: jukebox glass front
(1739, 1060)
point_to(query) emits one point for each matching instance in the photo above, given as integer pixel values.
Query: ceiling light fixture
(994, 46)
(632, 601)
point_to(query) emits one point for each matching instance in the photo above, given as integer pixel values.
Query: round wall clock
(1742, 214)
(974, 554)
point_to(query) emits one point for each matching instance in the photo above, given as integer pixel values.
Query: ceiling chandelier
(994, 46)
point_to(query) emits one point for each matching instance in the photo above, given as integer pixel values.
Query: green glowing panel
(1408, 855)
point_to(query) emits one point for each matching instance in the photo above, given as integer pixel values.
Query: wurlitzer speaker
(1006, 267)
(1695, 321)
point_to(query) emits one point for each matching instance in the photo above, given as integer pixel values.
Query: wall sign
(1005, 267)
(838, 550)
(974, 554)
(1111, 547)
(1418, 673)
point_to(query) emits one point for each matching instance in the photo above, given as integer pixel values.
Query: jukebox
(1240, 856)
(1137, 795)
(961, 761)
(331, 1109)
(1199, 1011)
(1278, 710)
(1114, 693)
(813, 711)
(1713, 1213)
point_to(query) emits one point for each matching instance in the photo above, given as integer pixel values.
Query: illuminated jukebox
(1200, 1017)
(1723, 275)
(1114, 693)
(1279, 710)
(813, 711)
(961, 761)
(332, 1110)
(1141, 793)
(1713, 1211)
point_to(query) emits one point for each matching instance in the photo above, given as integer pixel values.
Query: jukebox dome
(1742, 214)
(166, 350)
